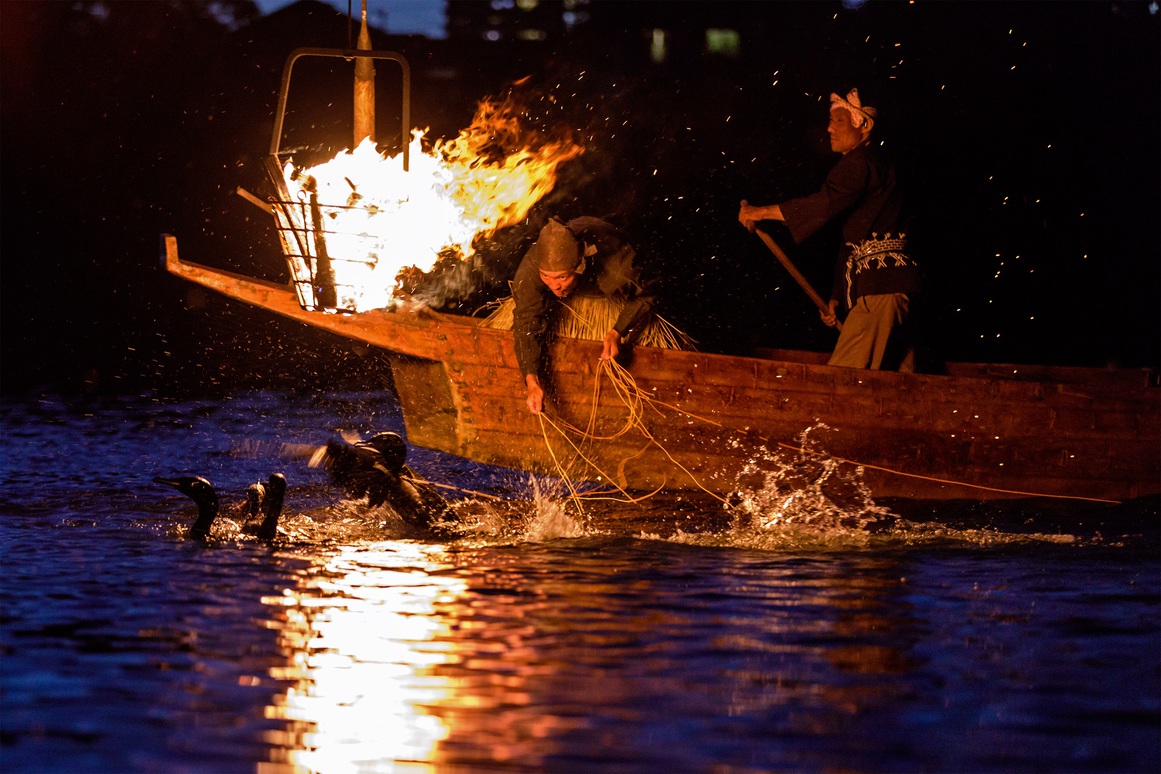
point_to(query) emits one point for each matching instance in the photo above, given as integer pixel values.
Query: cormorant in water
(254, 496)
(201, 492)
(275, 490)
(266, 499)
(375, 469)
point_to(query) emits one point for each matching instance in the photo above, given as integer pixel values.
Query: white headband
(859, 113)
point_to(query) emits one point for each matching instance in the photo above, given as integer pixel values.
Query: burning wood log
(324, 278)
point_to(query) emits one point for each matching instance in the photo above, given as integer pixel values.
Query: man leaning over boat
(585, 259)
(876, 278)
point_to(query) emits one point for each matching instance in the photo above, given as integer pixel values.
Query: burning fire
(369, 219)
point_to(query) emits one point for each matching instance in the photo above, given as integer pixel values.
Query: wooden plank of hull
(993, 432)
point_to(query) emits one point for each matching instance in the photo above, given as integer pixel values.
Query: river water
(665, 636)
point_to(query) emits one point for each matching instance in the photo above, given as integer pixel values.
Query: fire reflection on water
(951, 643)
(362, 640)
(396, 660)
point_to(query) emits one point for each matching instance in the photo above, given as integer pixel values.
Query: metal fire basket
(317, 254)
(312, 250)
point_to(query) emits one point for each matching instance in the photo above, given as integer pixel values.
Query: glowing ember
(378, 219)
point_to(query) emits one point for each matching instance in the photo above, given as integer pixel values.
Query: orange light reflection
(362, 641)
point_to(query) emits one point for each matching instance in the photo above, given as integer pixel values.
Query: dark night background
(1029, 134)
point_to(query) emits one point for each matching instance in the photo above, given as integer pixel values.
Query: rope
(892, 471)
(961, 483)
(635, 400)
(562, 472)
(560, 427)
(623, 380)
(465, 491)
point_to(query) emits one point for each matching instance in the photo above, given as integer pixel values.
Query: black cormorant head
(195, 487)
(201, 492)
(275, 491)
(276, 486)
(392, 447)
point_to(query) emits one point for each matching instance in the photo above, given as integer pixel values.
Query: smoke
(603, 181)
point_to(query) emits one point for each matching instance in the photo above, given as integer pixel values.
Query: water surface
(671, 635)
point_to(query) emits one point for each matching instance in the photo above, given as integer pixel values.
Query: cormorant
(254, 496)
(265, 499)
(272, 506)
(375, 469)
(201, 492)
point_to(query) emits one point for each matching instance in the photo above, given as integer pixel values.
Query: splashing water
(549, 519)
(806, 490)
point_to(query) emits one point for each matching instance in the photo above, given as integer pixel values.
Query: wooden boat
(977, 432)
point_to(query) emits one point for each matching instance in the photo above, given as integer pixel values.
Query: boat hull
(979, 432)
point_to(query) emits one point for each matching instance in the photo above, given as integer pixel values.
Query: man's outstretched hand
(535, 399)
(612, 346)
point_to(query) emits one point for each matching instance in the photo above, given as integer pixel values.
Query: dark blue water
(669, 636)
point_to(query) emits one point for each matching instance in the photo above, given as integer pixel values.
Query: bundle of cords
(636, 401)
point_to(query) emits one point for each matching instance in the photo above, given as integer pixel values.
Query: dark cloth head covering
(556, 249)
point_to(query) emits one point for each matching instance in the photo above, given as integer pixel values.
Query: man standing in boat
(876, 278)
(585, 257)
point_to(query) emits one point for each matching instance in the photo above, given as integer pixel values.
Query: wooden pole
(267, 207)
(795, 273)
(365, 88)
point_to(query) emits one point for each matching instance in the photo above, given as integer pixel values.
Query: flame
(379, 220)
